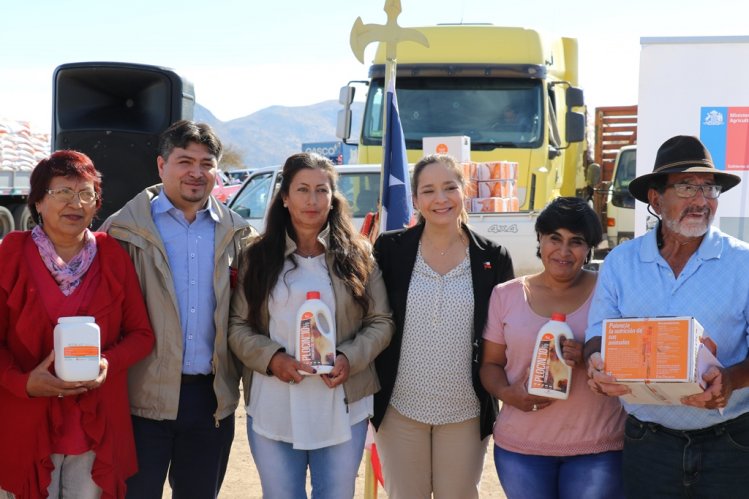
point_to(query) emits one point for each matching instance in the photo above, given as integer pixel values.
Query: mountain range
(269, 136)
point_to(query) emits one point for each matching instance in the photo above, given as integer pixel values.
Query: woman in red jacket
(60, 438)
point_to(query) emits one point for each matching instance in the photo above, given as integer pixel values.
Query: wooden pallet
(616, 127)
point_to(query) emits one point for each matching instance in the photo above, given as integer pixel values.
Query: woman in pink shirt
(548, 448)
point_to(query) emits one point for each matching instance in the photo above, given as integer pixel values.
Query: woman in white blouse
(432, 415)
(298, 421)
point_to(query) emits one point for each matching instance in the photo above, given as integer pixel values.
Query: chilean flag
(396, 189)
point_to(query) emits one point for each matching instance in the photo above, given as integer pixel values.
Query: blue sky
(246, 55)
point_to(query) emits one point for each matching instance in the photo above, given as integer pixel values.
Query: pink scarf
(67, 275)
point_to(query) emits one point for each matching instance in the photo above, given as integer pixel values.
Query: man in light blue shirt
(189, 248)
(185, 247)
(684, 267)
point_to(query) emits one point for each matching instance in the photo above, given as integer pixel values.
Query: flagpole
(390, 34)
(390, 66)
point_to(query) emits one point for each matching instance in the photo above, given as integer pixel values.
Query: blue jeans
(661, 463)
(586, 476)
(283, 469)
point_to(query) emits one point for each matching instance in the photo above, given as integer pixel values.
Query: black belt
(716, 429)
(191, 379)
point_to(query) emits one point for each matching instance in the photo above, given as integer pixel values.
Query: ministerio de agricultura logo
(713, 118)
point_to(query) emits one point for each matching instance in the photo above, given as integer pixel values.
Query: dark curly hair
(573, 214)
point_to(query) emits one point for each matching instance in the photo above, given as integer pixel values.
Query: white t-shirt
(308, 415)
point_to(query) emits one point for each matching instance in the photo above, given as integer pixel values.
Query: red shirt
(29, 426)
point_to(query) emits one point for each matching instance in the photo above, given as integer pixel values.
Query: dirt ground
(242, 481)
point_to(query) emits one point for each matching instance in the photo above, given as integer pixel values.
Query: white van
(358, 183)
(620, 206)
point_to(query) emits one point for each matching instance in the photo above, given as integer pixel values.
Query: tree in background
(231, 159)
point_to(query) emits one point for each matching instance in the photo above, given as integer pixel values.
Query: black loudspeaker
(114, 113)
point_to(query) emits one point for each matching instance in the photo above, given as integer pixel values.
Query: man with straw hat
(683, 267)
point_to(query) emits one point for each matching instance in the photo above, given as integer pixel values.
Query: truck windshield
(625, 170)
(493, 112)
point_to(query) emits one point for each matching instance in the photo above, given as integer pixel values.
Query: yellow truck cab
(512, 93)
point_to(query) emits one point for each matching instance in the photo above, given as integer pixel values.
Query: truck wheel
(22, 217)
(6, 221)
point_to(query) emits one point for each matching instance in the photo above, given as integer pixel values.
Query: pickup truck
(360, 185)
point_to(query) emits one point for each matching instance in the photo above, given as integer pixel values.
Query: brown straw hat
(681, 154)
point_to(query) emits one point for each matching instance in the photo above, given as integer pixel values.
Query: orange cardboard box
(494, 205)
(472, 189)
(469, 170)
(656, 357)
(496, 170)
(489, 188)
(488, 205)
(491, 170)
(509, 170)
(493, 188)
(487, 171)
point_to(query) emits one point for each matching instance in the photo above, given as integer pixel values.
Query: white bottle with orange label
(315, 335)
(77, 348)
(550, 375)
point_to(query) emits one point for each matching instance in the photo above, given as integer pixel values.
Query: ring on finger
(60, 396)
(291, 381)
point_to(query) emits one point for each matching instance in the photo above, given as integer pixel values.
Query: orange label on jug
(305, 338)
(315, 349)
(647, 350)
(549, 372)
(80, 351)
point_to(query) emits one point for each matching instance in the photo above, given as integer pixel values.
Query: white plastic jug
(77, 348)
(315, 335)
(550, 375)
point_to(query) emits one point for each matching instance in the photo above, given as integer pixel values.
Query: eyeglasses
(68, 195)
(710, 191)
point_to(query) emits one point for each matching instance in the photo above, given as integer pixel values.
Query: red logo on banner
(737, 138)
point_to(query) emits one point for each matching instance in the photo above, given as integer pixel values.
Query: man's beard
(690, 227)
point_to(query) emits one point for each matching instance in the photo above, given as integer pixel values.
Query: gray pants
(71, 478)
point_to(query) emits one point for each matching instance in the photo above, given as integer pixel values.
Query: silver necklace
(448, 248)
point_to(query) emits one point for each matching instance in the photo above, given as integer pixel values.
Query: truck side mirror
(574, 97)
(575, 129)
(242, 211)
(343, 126)
(346, 95)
